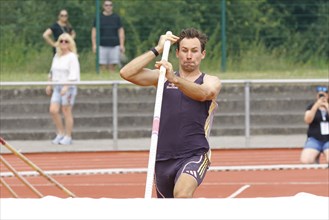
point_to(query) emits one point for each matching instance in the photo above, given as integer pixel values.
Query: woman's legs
(56, 117)
(68, 117)
(311, 152)
(310, 156)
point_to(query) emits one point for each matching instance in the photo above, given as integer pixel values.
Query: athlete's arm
(209, 90)
(135, 70)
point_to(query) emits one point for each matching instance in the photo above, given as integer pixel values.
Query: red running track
(240, 184)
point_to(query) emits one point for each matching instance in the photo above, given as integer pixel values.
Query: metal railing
(115, 86)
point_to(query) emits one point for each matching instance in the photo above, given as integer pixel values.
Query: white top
(65, 68)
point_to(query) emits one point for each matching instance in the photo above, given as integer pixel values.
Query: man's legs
(190, 176)
(109, 58)
(185, 186)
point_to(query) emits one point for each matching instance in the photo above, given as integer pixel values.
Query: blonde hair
(72, 45)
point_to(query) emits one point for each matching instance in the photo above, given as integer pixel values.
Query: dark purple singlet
(182, 122)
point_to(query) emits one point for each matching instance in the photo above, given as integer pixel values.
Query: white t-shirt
(65, 68)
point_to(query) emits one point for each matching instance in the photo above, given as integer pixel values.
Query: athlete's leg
(185, 186)
(165, 172)
(190, 176)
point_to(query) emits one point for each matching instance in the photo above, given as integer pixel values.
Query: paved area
(272, 141)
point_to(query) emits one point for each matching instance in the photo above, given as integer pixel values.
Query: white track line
(243, 188)
(269, 167)
(144, 170)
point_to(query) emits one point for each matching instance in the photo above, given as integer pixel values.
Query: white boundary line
(269, 167)
(144, 170)
(240, 190)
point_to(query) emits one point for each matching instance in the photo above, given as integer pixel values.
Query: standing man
(189, 101)
(112, 38)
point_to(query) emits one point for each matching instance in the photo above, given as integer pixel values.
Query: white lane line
(239, 191)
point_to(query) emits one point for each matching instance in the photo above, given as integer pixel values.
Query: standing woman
(61, 26)
(65, 67)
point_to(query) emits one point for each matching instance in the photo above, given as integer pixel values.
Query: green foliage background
(262, 35)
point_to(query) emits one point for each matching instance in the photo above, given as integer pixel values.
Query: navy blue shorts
(167, 172)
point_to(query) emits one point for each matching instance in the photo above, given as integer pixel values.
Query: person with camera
(317, 118)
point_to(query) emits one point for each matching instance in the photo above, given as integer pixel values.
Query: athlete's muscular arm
(209, 90)
(135, 70)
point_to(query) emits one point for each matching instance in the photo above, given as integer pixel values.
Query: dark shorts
(167, 173)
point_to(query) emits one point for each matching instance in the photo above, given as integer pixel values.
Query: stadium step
(273, 110)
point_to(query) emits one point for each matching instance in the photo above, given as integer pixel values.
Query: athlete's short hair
(193, 33)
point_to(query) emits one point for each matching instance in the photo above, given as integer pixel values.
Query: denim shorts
(313, 143)
(67, 99)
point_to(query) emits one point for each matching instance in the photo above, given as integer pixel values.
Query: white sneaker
(57, 139)
(66, 141)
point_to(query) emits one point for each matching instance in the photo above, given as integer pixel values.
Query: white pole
(156, 122)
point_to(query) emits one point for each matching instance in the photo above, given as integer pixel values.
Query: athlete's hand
(170, 75)
(173, 39)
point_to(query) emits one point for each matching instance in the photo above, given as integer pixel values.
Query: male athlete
(189, 101)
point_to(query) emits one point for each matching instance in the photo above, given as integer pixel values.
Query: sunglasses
(321, 89)
(64, 41)
(107, 5)
(63, 15)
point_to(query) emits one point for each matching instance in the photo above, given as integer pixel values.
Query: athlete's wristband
(156, 53)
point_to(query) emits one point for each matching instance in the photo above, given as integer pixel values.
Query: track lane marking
(240, 190)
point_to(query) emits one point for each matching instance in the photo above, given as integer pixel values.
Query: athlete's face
(190, 54)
